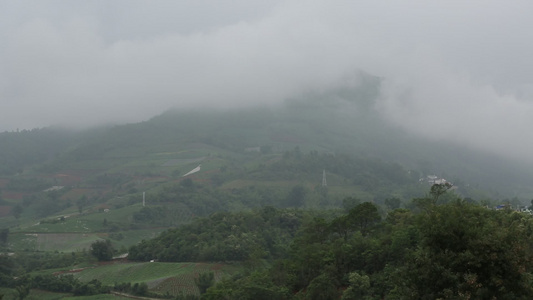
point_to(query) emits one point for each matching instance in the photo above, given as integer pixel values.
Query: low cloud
(452, 70)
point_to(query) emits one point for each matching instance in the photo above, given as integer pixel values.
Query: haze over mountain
(274, 149)
(451, 71)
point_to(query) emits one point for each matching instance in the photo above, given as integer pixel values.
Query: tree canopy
(102, 250)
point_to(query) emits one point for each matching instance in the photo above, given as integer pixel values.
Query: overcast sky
(453, 70)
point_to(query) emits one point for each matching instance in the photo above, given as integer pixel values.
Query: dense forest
(443, 247)
(451, 250)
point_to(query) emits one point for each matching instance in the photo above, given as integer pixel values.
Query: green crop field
(160, 277)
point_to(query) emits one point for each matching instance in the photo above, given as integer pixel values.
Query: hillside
(269, 149)
(318, 155)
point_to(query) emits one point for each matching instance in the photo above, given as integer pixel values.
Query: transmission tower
(324, 183)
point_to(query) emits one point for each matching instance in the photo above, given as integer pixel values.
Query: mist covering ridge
(344, 119)
(463, 77)
(278, 148)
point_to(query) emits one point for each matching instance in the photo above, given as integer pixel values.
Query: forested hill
(338, 121)
(457, 250)
(318, 195)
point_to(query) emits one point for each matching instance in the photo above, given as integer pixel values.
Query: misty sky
(454, 70)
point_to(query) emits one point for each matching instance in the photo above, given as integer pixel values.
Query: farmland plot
(160, 277)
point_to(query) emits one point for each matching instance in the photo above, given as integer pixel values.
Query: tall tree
(364, 216)
(102, 250)
(429, 201)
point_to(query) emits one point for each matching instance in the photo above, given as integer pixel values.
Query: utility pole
(144, 198)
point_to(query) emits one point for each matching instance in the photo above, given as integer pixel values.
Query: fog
(452, 70)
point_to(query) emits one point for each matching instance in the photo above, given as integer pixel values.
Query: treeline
(16, 266)
(60, 284)
(16, 273)
(70, 284)
(455, 250)
(224, 236)
(178, 204)
(11, 267)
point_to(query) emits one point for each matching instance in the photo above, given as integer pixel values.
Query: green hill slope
(246, 158)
